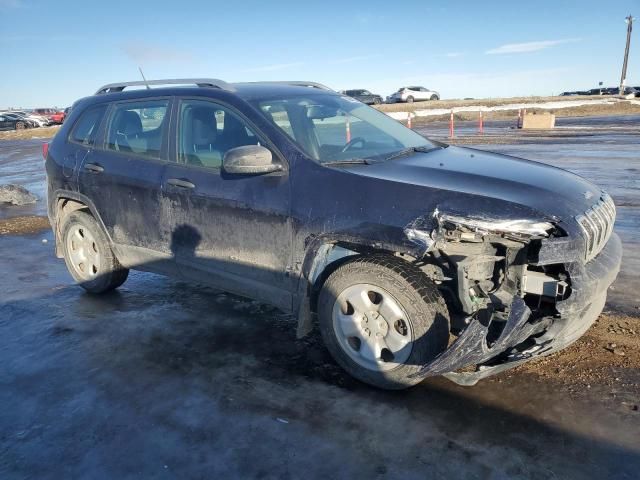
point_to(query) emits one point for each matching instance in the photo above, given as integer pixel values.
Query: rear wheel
(382, 319)
(88, 255)
(409, 99)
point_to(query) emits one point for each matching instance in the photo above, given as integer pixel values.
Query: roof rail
(200, 82)
(297, 83)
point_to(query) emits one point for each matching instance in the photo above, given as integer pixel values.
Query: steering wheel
(353, 142)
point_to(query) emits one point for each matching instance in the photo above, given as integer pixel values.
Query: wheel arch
(65, 202)
(322, 257)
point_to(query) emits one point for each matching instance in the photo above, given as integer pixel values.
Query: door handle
(93, 168)
(176, 182)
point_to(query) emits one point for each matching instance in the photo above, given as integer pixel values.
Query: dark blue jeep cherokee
(417, 258)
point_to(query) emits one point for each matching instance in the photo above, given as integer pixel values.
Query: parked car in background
(413, 94)
(12, 123)
(365, 96)
(21, 117)
(55, 116)
(38, 119)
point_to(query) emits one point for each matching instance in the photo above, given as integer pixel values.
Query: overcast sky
(54, 52)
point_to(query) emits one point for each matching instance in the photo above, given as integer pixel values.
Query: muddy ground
(168, 380)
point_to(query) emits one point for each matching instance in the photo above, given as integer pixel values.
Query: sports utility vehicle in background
(365, 96)
(418, 258)
(413, 94)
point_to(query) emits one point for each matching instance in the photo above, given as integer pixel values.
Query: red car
(54, 116)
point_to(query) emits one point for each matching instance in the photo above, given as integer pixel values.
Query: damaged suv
(413, 258)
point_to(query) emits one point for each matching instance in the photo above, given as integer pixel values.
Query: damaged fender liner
(578, 312)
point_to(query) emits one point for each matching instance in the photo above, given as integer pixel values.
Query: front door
(232, 232)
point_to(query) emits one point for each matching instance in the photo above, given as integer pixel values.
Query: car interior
(127, 134)
(208, 132)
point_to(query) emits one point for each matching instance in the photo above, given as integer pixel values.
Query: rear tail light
(45, 150)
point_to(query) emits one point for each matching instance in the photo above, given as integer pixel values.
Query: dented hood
(552, 191)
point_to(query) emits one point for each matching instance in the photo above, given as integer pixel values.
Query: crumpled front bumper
(589, 284)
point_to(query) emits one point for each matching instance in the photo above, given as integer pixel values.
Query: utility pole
(623, 78)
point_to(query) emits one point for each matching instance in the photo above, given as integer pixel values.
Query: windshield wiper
(348, 161)
(411, 150)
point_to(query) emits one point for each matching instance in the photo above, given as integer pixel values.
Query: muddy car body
(419, 258)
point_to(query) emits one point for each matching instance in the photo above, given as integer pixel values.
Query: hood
(552, 191)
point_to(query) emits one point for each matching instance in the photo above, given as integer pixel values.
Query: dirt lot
(23, 225)
(44, 132)
(169, 380)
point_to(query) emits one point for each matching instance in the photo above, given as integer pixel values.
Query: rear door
(123, 177)
(4, 123)
(80, 142)
(232, 232)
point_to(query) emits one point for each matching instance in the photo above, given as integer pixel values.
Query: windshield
(332, 128)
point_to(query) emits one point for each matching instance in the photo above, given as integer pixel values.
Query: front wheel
(409, 99)
(434, 97)
(382, 319)
(377, 101)
(88, 254)
(20, 126)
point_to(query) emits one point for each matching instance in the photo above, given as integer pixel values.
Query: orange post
(348, 127)
(480, 124)
(451, 131)
(409, 119)
(519, 124)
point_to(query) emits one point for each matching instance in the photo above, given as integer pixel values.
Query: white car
(411, 94)
(38, 119)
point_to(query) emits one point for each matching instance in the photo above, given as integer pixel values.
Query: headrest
(204, 126)
(128, 123)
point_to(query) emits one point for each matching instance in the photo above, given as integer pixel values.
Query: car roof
(245, 90)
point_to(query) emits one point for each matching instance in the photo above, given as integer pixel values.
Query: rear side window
(86, 128)
(138, 127)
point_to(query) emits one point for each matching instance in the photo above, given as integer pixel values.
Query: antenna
(144, 79)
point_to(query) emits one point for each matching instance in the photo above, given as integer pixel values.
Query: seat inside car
(235, 134)
(128, 128)
(200, 137)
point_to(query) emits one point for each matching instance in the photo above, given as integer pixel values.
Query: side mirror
(249, 160)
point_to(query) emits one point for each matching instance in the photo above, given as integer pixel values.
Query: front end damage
(517, 288)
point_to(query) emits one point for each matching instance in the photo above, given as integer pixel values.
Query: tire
(88, 254)
(20, 126)
(421, 319)
(409, 99)
(377, 101)
(434, 97)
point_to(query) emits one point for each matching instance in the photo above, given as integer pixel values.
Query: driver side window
(207, 131)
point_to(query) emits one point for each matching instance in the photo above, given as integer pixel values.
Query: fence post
(519, 124)
(451, 131)
(409, 119)
(480, 124)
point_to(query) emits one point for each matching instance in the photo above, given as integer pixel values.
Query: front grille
(597, 225)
